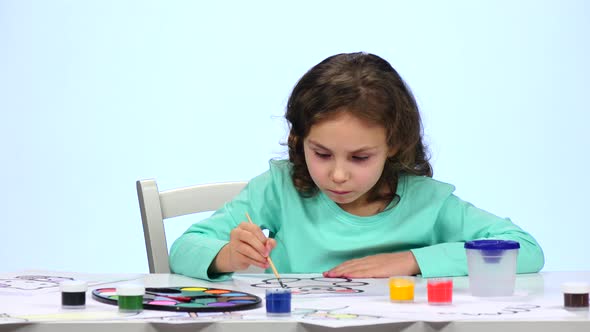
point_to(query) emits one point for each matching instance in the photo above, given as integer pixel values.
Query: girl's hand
(247, 246)
(377, 266)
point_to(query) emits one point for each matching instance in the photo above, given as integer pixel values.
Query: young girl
(355, 199)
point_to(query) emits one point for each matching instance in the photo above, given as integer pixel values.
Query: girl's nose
(339, 174)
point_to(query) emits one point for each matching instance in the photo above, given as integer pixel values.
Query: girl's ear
(392, 152)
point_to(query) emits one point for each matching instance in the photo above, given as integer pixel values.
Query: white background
(95, 95)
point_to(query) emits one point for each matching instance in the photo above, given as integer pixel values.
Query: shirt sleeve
(459, 221)
(194, 251)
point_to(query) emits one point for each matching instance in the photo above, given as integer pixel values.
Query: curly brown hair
(367, 87)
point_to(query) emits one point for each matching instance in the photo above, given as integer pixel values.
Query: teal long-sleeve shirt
(314, 234)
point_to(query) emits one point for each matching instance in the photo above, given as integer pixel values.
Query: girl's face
(345, 157)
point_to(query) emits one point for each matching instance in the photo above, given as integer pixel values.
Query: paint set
(491, 264)
(439, 290)
(488, 262)
(134, 298)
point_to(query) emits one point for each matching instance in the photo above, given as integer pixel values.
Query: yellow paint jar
(401, 289)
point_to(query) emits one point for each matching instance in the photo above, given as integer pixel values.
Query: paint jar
(575, 295)
(278, 301)
(401, 289)
(492, 267)
(130, 298)
(440, 291)
(73, 294)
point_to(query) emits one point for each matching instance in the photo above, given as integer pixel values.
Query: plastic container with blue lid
(492, 244)
(491, 264)
(492, 250)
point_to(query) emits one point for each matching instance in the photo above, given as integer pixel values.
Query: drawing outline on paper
(32, 282)
(315, 285)
(331, 314)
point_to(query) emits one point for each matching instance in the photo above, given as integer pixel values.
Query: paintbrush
(272, 266)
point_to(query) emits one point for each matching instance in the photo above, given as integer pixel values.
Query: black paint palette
(188, 299)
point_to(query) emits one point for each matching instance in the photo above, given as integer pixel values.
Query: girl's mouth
(339, 192)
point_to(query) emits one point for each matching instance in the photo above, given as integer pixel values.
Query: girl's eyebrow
(363, 149)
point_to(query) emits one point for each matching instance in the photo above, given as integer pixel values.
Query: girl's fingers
(245, 261)
(270, 245)
(348, 269)
(247, 234)
(343, 268)
(250, 245)
(255, 235)
(254, 229)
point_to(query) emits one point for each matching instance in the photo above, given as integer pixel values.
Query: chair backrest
(157, 206)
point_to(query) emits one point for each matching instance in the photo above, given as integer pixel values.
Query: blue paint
(278, 301)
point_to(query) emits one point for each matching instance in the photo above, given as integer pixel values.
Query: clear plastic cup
(492, 267)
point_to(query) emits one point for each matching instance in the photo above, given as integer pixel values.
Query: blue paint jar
(278, 302)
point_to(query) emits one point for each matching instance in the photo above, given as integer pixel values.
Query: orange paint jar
(401, 289)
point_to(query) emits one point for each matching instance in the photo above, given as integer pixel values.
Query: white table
(536, 306)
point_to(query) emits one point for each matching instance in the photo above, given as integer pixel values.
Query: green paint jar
(130, 298)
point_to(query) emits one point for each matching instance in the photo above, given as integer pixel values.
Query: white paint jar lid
(575, 287)
(73, 286)
(130, 290)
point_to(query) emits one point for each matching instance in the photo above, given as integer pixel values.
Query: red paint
(345, 291)
(440, 292)
(108, 290)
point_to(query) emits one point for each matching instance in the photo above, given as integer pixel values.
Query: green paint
(196, 303)
(191, 305)
(204, 301)
(193, 293)
(132, 303)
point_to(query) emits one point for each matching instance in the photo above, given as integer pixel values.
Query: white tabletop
(30, 302)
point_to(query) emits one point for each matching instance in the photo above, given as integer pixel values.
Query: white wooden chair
(157, 206)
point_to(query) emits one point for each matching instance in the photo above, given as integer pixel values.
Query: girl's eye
(360, 158)
(322, 155)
